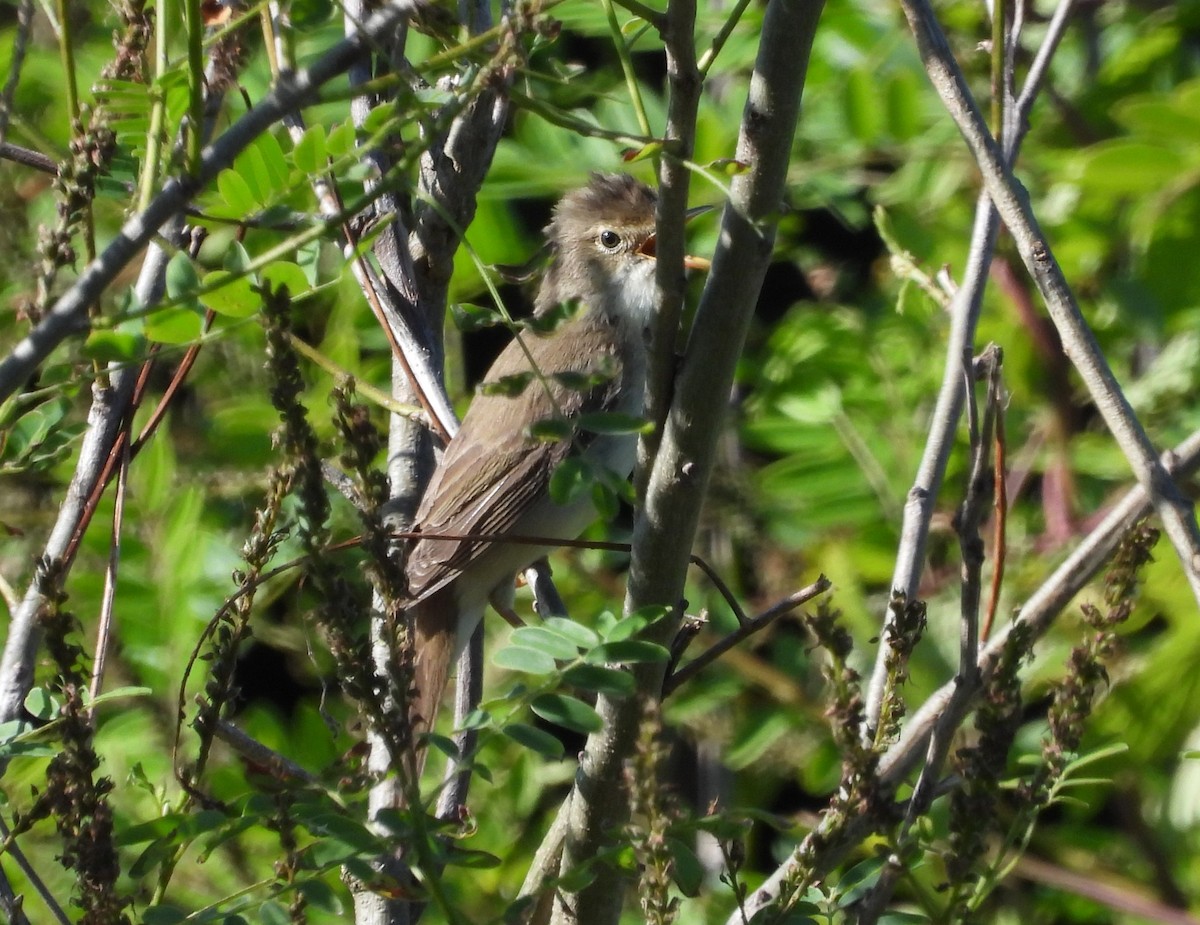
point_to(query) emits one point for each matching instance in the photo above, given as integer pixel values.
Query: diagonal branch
(1079, 344)
(945, 708)
(964, 315)
(69, 314)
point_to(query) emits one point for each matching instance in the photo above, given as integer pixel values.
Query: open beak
(691, 262)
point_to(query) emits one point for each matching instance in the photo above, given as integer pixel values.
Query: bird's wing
(493, 471)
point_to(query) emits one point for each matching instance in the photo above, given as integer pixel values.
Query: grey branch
(946, 708)
(964, 314)
(1079, 344)
(680, 470)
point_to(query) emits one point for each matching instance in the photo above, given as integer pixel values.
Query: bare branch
(743, 632)
(1079, 344)
(946, 707)
(680, 471)
(964, 314)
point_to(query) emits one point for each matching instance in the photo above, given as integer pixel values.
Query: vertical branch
(194, 32)
(20, 43)
(680, 469)
(683, 84)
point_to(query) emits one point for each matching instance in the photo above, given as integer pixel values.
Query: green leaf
(160, 827)
(18, 727)
(348, 831)
(534, 739)
(443, 744)
(233, 297)
(112, 346)
(251, 167)
(568, 712)
(276, 164)
(551, 430)
(904, 98)
(582, 382)
(860, 876)
(308, 14)
(545, 641)
(629, 651)
(152, 857)
(182, 280)
(520, 658)
(318, 893)
(272, 913)
(507, 386)
(309, 153)
(236, 192)
(577, 877)
(470, 317)
(552, 318)
(340, 141)
(174, 326)
(475, 860)
(688, 871)
(41, 704)
(569, 480)
(648, 150)
(579, 634)
(282, 273)
(476, 719)
(728, 166)
(630, 626)
(1126, 167)
(862, 104)
(605, 500)
(163, 915)
(600, 679)
(237, 259)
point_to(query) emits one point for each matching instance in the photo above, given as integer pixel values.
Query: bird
(493, 478)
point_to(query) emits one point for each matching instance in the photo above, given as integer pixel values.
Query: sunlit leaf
(234, 295)
(568, 712)
(545, 641)
(522, 658)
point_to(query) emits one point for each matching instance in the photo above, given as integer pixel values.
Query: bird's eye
(609, 239)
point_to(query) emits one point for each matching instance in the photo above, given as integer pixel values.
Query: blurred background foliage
(827, 426)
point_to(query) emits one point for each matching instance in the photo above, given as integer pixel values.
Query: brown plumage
(494, 477)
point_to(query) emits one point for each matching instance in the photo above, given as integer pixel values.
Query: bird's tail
(434, 621)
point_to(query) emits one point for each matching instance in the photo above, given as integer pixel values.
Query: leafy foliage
(136, 807)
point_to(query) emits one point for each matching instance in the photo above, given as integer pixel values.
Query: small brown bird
(494, 477)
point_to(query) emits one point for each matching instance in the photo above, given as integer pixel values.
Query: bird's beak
(691, 262)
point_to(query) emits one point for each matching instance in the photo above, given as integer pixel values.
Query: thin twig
(747, 629)
(1012, 202)
(11, 902)
(999, 524)
(968, 302)
(20, 43)
(267, 759)
(104, 630)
